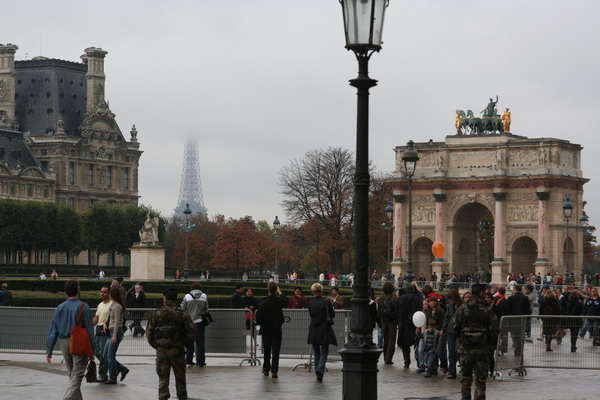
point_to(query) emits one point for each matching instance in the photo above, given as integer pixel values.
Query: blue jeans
(321, 352)
(430, 360)
(453, 345)
(200, 351)
(101, 341)
(110, 354)
(584, 328)
(421, 356)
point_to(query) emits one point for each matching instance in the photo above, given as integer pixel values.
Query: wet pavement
(29, 376)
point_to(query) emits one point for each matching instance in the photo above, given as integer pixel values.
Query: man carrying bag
(71, 313)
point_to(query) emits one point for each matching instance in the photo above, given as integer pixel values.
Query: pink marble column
(439, 217)
(499, 238)
(542, 230)
(398, 226)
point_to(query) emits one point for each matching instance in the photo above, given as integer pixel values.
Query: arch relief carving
(426, 198)
(520, 213)
(423, 214)
(426, 160)
(423, 233)
(457, 201)
(515, 233)
(522, 197)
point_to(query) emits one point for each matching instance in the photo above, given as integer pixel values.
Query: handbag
(330, 321)
(207, 319)
(80, 343)
(90, 372)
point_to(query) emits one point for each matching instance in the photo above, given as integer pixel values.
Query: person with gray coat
(195, 303)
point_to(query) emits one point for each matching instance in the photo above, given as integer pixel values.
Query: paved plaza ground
(29, 376)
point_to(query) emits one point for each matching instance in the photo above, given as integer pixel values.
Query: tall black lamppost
(389, 211)
(567, 213)
(186, 229)
(363, 25)
(276, 224)
(410, 157)
(584, 223)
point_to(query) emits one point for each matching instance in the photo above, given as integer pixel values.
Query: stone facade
(521, 183)
(59, 140)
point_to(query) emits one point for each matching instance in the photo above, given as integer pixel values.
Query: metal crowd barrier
(25, 329)
(521, 344)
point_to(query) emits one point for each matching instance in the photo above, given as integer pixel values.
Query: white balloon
(419, 319)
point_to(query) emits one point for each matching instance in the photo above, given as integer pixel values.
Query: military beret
(478, 288)
(171, 289)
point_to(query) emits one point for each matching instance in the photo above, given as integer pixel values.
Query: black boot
(548, 342)
(573, 344)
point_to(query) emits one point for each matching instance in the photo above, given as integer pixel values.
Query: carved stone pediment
(4, 170)
(32, 172)
(100, 118)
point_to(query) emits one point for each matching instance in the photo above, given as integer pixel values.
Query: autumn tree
(201, 240)
(236, 247)
(379, 196)
(319, 189)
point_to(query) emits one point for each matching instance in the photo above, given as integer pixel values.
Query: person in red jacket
(297, 301)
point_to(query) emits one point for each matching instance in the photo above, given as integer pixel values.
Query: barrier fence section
(522, 343)
(25, 330)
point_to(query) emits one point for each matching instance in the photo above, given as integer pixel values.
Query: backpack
(386, 310)
(170, 331)
(474, 337)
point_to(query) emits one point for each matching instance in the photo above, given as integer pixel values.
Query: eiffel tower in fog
(190, 191)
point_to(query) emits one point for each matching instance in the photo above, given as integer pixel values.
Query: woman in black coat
(320, 332)
(409, 302)
(549, 306)
(574, 307)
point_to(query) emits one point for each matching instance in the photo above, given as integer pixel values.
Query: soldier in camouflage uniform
(477, 327)
(169, 330)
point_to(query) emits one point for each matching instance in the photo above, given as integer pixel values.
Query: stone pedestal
(147, 262)
(438, 265)
(398, 266)
(499, 271)
(542, 266)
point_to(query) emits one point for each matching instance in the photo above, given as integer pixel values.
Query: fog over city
(258, 83)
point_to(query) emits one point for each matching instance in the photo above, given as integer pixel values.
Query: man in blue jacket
(65, 317)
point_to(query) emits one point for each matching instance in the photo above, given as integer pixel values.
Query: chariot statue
(489, 123)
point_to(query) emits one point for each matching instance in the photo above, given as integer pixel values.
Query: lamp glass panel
(361, 17)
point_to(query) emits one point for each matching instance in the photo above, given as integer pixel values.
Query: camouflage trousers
(477, 365)
(167, 358)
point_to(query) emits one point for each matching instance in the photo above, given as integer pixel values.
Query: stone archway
(523, 256)
(422, 257)
(468, 233)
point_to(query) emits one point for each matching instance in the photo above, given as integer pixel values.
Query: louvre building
(59, 140)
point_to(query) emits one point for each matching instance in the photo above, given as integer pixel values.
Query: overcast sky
(258, 83)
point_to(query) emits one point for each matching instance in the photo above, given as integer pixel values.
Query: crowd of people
(457, 328)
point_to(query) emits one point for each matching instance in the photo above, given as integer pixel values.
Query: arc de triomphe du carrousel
(486, 181)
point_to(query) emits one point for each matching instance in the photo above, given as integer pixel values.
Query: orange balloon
(438, 249)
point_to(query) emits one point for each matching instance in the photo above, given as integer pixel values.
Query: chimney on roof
(7, 86)
(94, 58)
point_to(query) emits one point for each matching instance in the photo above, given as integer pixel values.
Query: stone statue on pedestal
(149, 231)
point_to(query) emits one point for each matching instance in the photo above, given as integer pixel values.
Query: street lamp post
(363, 26)
(389, 210)
(276, 224)
(410, 157)
(187, 228)
(584, 222)
(567, 213)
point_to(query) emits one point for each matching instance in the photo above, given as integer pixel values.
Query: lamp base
(359, 373)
